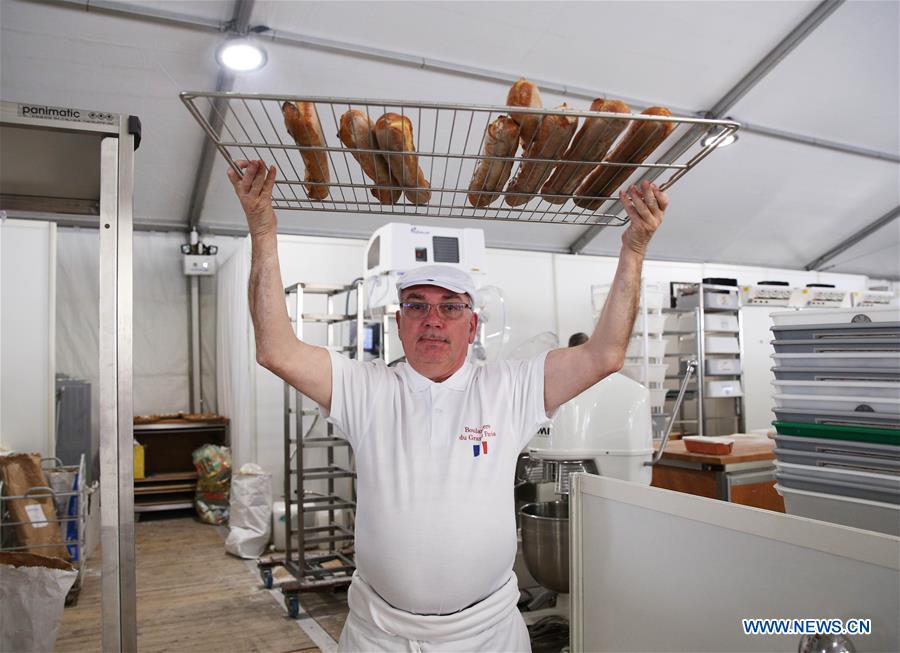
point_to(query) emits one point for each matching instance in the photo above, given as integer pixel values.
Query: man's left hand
(645, 207)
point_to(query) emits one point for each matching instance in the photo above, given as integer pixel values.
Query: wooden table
(745, 476)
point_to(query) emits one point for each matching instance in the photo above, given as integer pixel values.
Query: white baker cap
(443, 276)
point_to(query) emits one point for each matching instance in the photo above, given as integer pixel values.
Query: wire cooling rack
(448, 141)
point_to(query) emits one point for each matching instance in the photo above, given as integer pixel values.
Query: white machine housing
(397, 247)
(820, 298)
(608, 423)
(766, 295)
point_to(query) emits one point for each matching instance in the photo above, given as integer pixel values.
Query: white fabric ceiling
(763, 201)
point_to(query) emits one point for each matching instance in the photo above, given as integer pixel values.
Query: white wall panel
(27, 385)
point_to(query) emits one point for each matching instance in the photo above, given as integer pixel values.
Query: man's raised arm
(569, 372)
(306, 367)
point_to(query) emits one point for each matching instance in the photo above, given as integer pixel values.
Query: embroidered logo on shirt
(477, 436)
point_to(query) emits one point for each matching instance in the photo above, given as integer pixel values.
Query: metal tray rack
(448, 141)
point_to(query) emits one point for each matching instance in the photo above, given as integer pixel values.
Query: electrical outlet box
(199, 265)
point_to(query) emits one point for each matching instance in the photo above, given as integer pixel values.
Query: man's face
(435, 346)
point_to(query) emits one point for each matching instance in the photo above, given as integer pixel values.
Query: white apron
(493, 624)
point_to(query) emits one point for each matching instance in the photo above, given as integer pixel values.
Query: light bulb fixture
(715, 136)
(241, 55)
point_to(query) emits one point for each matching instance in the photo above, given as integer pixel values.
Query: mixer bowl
(545, 543)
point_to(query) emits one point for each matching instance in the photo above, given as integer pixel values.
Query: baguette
(590, 144)
(394, 133)
(302, 124)
(500, 139)
(356, 131)
(638, 142)
(525, 94)
(551, 140)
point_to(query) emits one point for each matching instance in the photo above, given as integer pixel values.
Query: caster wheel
(293, 606)
(267, 579)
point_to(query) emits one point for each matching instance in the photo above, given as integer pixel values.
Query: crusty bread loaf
(357, 131)
(590, 144)
(637, 143)
(394, 133)
(500, 139)
(552, 138)
(303, 125)
(525, 94)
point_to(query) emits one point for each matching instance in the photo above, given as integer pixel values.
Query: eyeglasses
(419, 310)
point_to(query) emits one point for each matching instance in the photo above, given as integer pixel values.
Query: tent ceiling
(763, 201)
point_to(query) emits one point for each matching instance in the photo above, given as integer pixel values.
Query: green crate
(839, 432)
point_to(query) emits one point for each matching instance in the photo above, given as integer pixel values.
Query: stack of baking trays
(837, 403)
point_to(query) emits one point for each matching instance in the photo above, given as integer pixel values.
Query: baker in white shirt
(436, 439)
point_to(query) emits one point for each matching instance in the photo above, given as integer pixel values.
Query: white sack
(31, 604)
(250, 523)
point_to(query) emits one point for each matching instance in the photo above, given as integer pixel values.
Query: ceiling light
(716, 135)
(241, 55)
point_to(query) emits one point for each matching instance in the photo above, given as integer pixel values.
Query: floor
(192, 596)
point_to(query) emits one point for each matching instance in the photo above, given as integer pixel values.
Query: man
(436, 440)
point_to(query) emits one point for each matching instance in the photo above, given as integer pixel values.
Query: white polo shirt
(435, 521)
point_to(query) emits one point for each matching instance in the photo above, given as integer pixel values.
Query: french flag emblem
(478, 449)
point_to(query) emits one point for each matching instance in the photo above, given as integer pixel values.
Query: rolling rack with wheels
(71, 504)
(332, 567)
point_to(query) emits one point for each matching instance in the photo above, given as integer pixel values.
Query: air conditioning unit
(397, 247)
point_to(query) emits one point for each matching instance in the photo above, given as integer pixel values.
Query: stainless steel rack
(332, 567)
(448, 141)
(714, 415)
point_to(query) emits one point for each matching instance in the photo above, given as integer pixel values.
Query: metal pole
(224, 82)
(119, 600)
(196, 393)
(849, 242)
(822, 11)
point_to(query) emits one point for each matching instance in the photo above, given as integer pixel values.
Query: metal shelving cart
(332, 566)
(71, 515)
(714, 327)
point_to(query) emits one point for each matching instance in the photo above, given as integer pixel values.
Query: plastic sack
(213, 465)
(63, 484)
(33, 592)
(251, 512)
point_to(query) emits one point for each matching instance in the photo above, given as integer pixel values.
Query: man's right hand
(254, 190)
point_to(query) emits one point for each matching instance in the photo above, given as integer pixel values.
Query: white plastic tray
(890, 481)
(859, 513)
(655, 348)
(720, 322)
(656, 323)
(719, 389)
(836, 316)
(723, 366)
(656, 372)
(828, 404)
(882, 389)
(854, 360)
